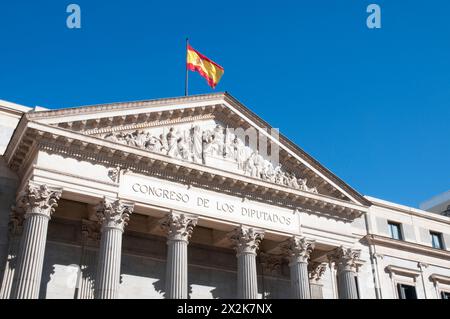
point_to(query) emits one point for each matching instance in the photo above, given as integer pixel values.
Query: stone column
(179, 229)
(246, 241)
(345, 262)
(40, 202)
(298, 250)
(17, 219)
(113, 215)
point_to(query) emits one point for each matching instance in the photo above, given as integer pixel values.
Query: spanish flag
(207, 68)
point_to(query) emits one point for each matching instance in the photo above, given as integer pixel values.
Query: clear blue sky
(372, 105)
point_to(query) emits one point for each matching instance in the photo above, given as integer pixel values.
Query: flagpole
(186, 92)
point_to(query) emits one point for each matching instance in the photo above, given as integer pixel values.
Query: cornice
(436, 278)
(16, 139)
(14, 108)
(92, 109)
(407, 246)
(402, 271)
(410, 211)
(145, 125)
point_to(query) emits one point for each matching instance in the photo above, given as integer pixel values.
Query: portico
(177, 227)
(143, 190)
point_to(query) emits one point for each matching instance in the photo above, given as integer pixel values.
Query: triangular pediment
(203, 130)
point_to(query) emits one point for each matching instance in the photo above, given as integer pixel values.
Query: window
(395, 230)
(436, 240)
(406, 292)
(445, 295)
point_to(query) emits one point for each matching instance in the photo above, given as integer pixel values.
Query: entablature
(75, 145)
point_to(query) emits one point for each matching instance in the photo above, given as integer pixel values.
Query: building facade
(160, 199)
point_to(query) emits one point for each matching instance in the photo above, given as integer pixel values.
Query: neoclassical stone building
(166, 199)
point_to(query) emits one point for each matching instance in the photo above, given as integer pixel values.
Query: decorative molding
(121, 106)
(408, 210)
(422, 266)
(114, 173)
(377, 256)
(179, 226)
(407, 246)
(391, 269)
(114, 213)
(437, 278)
(147, 125)
(246, 240)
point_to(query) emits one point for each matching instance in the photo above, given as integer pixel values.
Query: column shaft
(246, 241)
(86, 285)
(298, 249)
(11, 262)
(247, 276)
(347, 285)
(31, 257)
(109, 260)
(113, 215)
(345, 259)
(39, 202)
(300, 280)
(177, 270)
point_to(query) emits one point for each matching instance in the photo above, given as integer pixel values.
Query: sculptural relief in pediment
(210, 143)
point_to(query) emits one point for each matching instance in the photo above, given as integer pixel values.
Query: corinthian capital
(178, 226)
(345, 258)
(246, 240)
(114, 213)
(298, 249)
(39, 200)
(316, 270)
